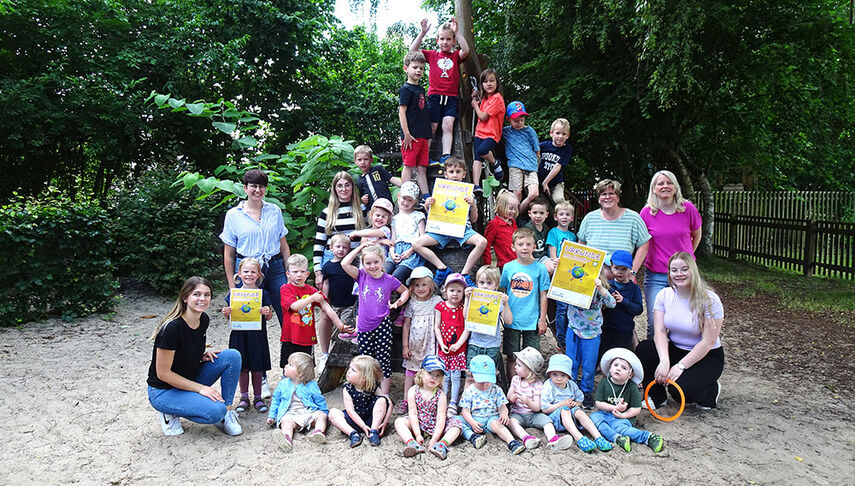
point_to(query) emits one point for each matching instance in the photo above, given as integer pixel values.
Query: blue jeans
(583, 352)
(196, 407)
(561, 321)
(611, 427)
(653, 283)
(451, 384)
(274, 279)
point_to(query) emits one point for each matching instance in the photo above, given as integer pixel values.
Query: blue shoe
(469, 281)
(498, 172)
(602, 444)
(440, 277)
(443, 158)
(586, 444)
(355, 439)
(478, 189)
(374, 437)
(434, 163)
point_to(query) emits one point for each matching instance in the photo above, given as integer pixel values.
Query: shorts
(494, 353)
(484, 421)
(483, 146)
(532, 419)
(443, 240)
(347, 315)
(411, 262)
(555, 416)
(303, 419)
(418, 153)
(511, 343)
(441, 106)
(557, 193)
(287, 348)
(367, 417)
(518, 178)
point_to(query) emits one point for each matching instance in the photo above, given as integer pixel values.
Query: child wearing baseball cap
(618, 322)
(522, 149)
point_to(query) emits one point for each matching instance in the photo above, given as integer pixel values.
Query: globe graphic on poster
(484, 310)
(577, 272)
(245, 308)
(450, 205)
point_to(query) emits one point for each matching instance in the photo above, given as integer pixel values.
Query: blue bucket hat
(483, 369)
(433, 363)
(562, 363)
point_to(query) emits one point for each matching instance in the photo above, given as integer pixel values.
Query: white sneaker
(654, 406)
(322, 363)
(265, 387)
(718, 393)
(230, 424)
(170, 424)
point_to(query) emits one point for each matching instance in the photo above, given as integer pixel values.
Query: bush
(55, 261)
(162, 236)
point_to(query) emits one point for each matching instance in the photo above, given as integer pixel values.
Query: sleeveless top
(427, 411)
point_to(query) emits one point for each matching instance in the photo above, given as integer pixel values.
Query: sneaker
(655, 442)
(602, 444)
(439, 278)
(478, 189)
(469, 281)
(355, 439)
(322, 363)
(317, 436)
(452, 410)
(410, 449)
(434, 163)
(588, 402)
(624, 443)
(516, 447)
(374, 437)
(265, 387)
(531, 442)
(283, 441)
(704, 407)
(497, 170)
(478, 440)
(170, 424)
(443, 158)
(230, 424)
(585, 444)
(402, 408)
(560, 443)
(439, 450)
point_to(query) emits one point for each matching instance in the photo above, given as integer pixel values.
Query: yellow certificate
(246, 309)
(482, 311)
(578, 267)
(448, 215)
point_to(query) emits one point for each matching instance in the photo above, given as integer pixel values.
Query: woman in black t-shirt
(182, 371)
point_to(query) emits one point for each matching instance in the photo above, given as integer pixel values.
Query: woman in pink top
(685, 347)
(674, 225)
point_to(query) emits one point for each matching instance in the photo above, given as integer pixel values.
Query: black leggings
(699, 382)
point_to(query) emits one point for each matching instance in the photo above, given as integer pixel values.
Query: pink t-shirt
(669, 234)
(524, 388)
(681, 322)
(443, 72)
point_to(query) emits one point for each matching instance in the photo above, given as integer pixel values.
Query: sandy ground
(76, 412)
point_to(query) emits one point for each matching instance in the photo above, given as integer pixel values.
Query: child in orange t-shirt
(489, 106)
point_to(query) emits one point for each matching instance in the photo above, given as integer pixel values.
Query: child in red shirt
(500, 230)
(298, 302)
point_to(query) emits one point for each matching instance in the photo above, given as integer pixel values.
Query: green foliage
(55, 260)
(299, 180)
(162, 237)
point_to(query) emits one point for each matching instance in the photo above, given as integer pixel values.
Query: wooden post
(731, 237)
(810, 248)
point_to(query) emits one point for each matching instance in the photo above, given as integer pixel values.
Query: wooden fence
(793, 205)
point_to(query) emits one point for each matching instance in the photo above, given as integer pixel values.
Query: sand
(76, 411)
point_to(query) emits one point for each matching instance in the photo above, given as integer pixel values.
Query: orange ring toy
(650, 406)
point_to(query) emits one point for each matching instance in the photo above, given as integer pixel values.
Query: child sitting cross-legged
(426, 411)
(561, 399)
(619, 401)
(298, 403)
(366, 408)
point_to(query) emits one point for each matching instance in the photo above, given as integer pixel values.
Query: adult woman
(613, 228)
(343, 214)
(182, 371)
(255, 228)
(685, 348)
(674, 225)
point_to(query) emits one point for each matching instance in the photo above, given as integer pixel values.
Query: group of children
(359, 285)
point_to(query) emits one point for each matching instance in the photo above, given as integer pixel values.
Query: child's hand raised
(429, 201)
(453, 24)
(364, 199)
(227, 311)
(468, 199)
(425, 26)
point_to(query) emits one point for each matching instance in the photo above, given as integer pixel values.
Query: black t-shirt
(188, 344)
(551, 155)
(341, 285)
(418, 117)
(375, 183)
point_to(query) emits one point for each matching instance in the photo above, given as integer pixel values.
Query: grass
(794, 290)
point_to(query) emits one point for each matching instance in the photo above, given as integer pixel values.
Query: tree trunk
(685, 167)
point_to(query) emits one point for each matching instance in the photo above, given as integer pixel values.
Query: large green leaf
(224, 127)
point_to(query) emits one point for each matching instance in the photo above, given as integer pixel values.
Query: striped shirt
(625, 233)
(344, 223)
(251, 238)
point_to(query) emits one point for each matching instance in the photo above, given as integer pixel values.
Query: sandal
(260, 405)
(243, 405)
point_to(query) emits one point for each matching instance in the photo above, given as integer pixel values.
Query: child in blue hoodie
(298, 403)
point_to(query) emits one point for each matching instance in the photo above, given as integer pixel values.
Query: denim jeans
(611, 426)
(561, 309)
(583, 352)
(196, 407)
(274, 279)
(653, 283)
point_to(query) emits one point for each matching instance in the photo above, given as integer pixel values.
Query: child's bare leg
(532, 193)
(321, 422)
(499, 429)
(323, 329)
(421, 179)
(516, 428)
(386, 385)
(378, 413)
(476, 172)
(480, 244)
(287, 425)
(451, 435)
(402, 427)
(509, 365)
(587, 423)
(567, 422)
(433, 127)
(406, 174)
(549, 431)
(447, 134)
(421, 246)
(409, 381)
(338, 421)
